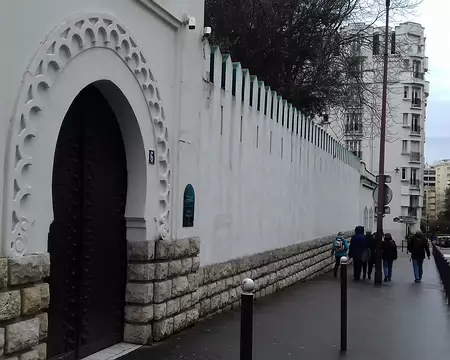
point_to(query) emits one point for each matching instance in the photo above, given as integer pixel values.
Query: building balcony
(415, 157)
(412, 211)
(414, 184)
(416, 103)
(354, 129)
(419, 75)
(415, 131)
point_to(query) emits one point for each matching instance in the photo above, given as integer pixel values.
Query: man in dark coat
(389, 255)
(418, 247)
(358, 246)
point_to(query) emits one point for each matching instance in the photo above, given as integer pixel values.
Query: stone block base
(23, 300)
(272, 271)
(162, 281)
(167, 291)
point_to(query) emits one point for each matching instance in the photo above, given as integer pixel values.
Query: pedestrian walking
(389, 255)
(418, 247)
(340, 249)
(358, 246)
(372, 246)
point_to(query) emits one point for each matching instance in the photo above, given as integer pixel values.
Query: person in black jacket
(372, 245)
(358, 246)
(418, 247)
(389, 254)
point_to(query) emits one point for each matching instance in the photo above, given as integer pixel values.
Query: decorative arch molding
(62, 45)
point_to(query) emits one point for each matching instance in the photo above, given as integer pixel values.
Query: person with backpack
(389, 255)
(357, 251)
(418, 247)
(339, 249)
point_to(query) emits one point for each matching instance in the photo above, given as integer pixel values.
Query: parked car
(443, 241)
(446, 243)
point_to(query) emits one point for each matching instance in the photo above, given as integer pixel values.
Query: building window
(406, 64)
(403, 173)
(354, 122)
(413, 176)
(415, 123)
(406, 92)
(405, 119)
(404, 146)
(416, 100)
(393, 44)
(417, 69)
(376, 44)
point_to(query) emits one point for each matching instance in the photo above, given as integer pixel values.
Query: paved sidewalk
(399, 321)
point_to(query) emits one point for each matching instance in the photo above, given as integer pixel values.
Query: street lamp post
(381, 195)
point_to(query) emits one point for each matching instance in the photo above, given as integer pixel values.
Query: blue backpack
(339, 245)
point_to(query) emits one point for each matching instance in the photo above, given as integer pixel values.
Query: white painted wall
(259, 185)
(254, 196)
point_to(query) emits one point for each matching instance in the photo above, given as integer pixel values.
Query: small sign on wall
(151, 157)
(188, 206)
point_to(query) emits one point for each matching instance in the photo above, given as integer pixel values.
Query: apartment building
(429, 211)
(442, 169)
(406, 114)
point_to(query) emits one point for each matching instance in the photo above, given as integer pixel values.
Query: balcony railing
(412, 211)
(414, 156)
(353, 128)
(415, 130)
(416, 103)
(414, 184)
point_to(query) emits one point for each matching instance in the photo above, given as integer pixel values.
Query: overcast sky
(434, 15)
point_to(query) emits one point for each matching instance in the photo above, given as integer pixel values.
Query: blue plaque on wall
(188, 206)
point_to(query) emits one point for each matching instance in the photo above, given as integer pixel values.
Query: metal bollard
(247, 286)
(344, 262)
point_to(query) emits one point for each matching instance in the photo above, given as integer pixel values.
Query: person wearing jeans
(389, 255)
(418, 269)
(418, 247)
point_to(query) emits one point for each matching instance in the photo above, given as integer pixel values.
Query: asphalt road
(399, 321)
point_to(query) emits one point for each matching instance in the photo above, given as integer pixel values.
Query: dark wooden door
(87, 239)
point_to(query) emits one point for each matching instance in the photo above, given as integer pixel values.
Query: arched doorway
(87, 239)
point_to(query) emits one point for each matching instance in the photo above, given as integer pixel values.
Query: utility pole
(381, 195)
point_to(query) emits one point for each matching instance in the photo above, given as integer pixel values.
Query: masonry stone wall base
(183, 293)
(166, 292)
(24, 298)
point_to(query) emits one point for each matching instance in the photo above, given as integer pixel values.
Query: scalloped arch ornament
(62, 45)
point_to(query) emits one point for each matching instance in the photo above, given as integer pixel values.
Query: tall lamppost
(381, 189)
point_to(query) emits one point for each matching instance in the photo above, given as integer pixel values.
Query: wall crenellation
(255, 95)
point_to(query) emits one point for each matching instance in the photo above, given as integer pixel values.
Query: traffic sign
(387, 194)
